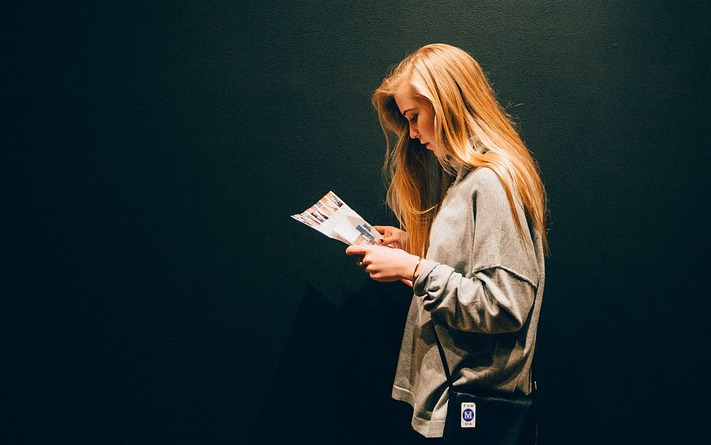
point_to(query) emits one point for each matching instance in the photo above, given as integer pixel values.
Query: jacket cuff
(421, 284)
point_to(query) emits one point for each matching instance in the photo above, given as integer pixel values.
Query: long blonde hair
(471, 127)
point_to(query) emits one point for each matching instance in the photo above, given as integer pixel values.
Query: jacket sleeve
(493, 300)
(484, 274)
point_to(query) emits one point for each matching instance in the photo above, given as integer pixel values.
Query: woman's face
(419, 114)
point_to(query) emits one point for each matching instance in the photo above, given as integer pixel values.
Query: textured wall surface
(158, 291)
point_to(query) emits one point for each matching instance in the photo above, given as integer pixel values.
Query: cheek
(426, 124)
(430, 129)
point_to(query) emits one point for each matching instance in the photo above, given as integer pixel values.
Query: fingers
(387, 240)
(381, 229)
(357, 249)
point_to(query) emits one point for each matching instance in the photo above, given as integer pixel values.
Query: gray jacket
(482, 283)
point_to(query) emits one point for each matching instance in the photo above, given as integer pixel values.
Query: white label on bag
(468, 415)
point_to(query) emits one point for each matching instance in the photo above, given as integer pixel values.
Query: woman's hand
(392, 236)
(385, 263)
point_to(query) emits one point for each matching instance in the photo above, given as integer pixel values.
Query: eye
(413, 119)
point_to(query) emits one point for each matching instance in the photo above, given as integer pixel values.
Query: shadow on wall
(333, 381)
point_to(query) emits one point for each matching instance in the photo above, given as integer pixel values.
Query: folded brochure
(332, 217)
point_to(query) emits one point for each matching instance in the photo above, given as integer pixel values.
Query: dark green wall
(158, 291)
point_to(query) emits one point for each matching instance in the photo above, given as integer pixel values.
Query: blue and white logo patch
(468, 416)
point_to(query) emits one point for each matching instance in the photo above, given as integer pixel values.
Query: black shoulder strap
(442, 356)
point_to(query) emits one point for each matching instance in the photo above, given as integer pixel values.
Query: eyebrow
(404, 113)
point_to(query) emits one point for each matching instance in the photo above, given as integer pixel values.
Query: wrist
(416, 269)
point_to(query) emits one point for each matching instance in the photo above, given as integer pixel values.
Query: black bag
(490, 418)
(477, 416)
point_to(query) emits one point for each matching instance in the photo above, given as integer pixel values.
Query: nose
(414, 133)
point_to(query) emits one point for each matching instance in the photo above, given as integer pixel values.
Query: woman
(471, 204)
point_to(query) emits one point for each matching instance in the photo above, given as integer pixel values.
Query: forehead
(407, 100)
